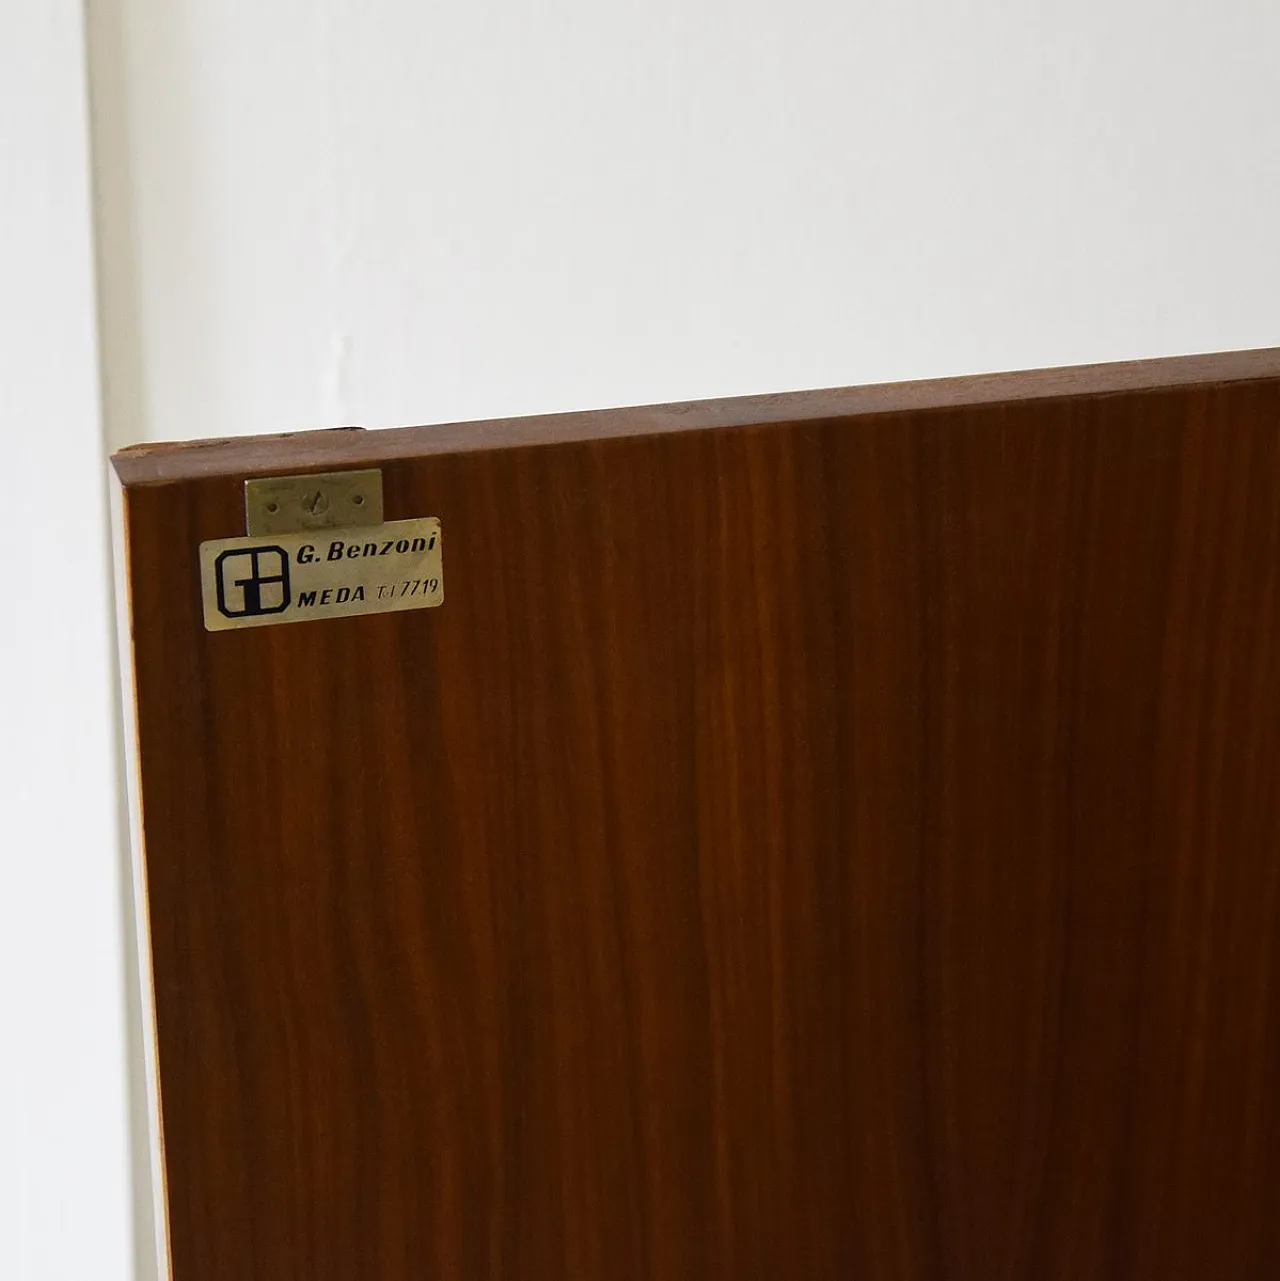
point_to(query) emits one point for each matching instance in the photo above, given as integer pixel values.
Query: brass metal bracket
(294, 504)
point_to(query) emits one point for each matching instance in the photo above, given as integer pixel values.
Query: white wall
(64, 1174)
(380, 211)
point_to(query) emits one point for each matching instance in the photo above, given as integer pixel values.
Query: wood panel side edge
(147, 1138)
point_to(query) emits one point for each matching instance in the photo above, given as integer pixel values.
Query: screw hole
(273, 507)
(358, 499)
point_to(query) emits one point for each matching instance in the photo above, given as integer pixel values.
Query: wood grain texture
(841, 848)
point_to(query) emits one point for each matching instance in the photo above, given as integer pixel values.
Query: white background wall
(64, 1174)
(313, 212)
(388, 211)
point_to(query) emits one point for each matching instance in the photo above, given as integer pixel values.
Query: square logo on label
(253, 580)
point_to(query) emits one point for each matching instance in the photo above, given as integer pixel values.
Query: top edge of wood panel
(338, 448)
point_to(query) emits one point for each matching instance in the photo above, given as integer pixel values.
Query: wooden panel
(831, 848)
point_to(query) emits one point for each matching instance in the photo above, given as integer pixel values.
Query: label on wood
(298, 578)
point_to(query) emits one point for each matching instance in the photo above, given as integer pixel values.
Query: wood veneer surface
(816, 838)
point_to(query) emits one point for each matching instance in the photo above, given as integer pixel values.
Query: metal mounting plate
(294, 504)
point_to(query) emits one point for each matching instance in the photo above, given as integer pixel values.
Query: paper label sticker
(334, 573)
